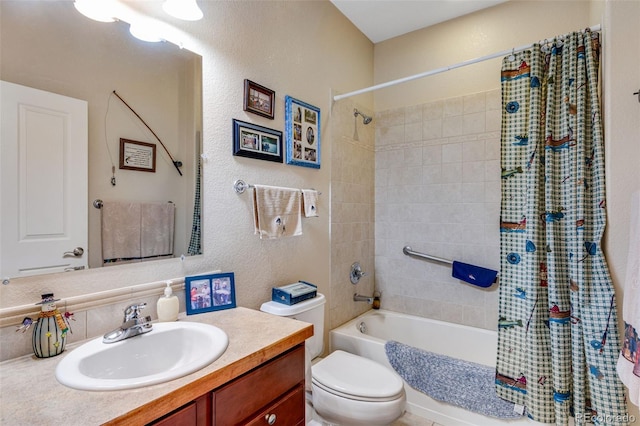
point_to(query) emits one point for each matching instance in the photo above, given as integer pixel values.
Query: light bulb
(98, 10)
(187, 10)
(144, 32)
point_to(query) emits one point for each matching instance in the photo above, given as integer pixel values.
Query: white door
(43, 181)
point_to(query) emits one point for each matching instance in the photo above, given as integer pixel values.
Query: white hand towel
(628, 366)
(157, 228)
(120, 230)
(277, 211)
(310, 202)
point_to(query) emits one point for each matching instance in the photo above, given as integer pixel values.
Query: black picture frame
(253, 141)
(211, 292)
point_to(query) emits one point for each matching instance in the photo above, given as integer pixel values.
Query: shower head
(365, 118)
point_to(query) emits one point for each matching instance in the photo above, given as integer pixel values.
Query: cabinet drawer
(287, 411)
(255, 390)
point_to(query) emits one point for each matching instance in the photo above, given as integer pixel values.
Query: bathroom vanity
(258, 380)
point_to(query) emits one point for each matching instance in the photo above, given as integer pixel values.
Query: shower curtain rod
(440, 70)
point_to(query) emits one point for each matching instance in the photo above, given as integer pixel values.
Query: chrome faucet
(360, 298)
(133, 325)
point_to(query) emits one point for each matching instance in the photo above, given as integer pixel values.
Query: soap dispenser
(168, 305)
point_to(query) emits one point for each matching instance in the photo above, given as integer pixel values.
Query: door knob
(77, 252)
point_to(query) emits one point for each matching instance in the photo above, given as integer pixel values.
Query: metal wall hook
(638, 95)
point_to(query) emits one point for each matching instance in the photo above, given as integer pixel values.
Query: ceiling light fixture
(187, 10)
(98, 10)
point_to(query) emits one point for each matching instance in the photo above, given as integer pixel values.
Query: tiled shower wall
(352, 211)
(437, 189)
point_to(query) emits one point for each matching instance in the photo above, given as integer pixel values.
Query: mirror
(50, 46)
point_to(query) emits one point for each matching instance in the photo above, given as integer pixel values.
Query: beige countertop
(30, 393)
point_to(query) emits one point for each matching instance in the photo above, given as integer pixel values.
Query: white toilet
(347, 389)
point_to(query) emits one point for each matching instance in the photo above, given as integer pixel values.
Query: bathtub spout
(360, 298)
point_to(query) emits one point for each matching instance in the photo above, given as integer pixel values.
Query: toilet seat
(354, 377)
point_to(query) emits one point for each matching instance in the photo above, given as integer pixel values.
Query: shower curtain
(557, 329)
(195, 242)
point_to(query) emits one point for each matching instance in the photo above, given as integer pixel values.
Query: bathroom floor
(409, 419)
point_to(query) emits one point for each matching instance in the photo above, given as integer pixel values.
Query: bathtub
(458, 341)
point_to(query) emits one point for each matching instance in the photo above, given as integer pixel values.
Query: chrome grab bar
(409, 252)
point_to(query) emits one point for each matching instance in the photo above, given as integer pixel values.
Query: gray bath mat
(465, 384)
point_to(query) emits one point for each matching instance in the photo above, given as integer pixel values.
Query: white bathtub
(459, 341)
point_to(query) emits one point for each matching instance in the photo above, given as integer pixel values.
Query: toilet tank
(311, 311)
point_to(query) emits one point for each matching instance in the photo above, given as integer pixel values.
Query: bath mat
(462, 383)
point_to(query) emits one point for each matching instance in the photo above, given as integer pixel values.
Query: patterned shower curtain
(557, 330)
(195, 242)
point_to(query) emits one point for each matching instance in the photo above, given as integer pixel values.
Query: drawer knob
(270, 418)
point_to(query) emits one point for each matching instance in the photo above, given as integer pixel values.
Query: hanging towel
(277, 211)
(481, 277)
(120, 230)
(628, 366)
(309, 202)
(156, 229)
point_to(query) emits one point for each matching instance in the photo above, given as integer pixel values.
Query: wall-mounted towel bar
(98, 203)
(409, 252)
(240, 186)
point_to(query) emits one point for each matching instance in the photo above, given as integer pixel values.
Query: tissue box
(294, 293)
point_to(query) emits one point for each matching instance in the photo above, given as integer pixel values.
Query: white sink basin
(170, 350)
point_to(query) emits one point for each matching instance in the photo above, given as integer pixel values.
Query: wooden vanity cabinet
(277, 385)
(270, 394)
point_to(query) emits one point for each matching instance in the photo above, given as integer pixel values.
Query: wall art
(302, 133)
(259, 99)
(250, 140)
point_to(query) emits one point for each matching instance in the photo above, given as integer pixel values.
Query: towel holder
(240, 186)
(98, 203)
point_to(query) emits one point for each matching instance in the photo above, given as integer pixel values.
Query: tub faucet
(132, 325)
(360, 298)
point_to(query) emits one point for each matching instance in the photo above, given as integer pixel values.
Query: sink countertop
(30, 393)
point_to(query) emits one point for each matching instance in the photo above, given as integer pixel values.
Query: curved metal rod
(176, 164)
(409, 252)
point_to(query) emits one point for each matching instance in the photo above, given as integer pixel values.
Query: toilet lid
(356, 376)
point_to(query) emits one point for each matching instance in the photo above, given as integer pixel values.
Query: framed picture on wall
(250, 140)
(212, 292)
(302, 133)
(140, 156)
(258, 99)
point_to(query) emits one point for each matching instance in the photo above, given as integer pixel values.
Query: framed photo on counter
(212, 292)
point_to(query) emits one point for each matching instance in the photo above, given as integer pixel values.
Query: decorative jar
(50, 331)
